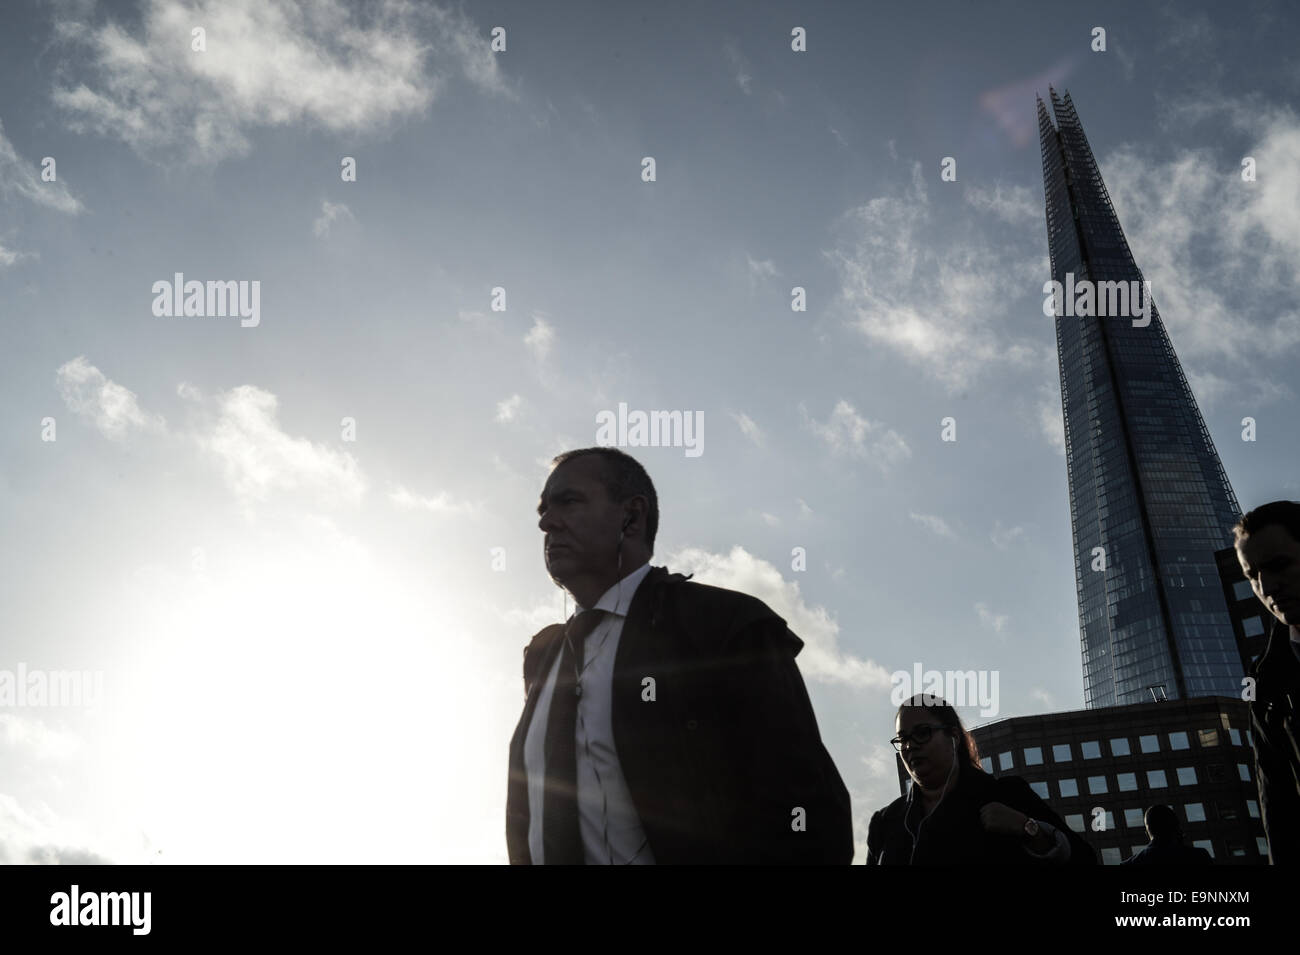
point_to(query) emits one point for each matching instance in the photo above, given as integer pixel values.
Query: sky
(298, 544)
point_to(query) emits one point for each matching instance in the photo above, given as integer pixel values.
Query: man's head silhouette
(1162, 824)
(1268, 549)
(599, 514)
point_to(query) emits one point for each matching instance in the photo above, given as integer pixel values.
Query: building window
(1156, 779)
(987, 763)
(1110, 856)
(1205, 844)
(1069, 788)
(1128, 782)
(1244, 772)
(1033, 755)
(1262, 845)
(1235, 735)
(1195, 812)
(1134, 850)
(1187, 775)
(1096, 785)
(1252, 806)
(1061, 753)
(1119, 747)
(1038, 787)
(1133, 818)
(1091, 749)
(1208, 737)
(1179, 741)
(1075, 821)
(1005, 760)
(1149, 744)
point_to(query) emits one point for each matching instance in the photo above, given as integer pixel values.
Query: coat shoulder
(717, 616)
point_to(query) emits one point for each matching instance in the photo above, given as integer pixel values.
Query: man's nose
(546, 523)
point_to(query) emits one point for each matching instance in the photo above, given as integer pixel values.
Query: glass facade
(1149, 501)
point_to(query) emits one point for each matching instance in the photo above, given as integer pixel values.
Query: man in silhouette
(1166, 845)
(666, 722)
(1268, 549)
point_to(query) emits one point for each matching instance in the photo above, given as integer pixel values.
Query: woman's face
(928, 763)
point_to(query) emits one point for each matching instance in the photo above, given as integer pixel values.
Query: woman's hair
(968, 752)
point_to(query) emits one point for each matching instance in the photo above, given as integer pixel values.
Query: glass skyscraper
(1149, 501)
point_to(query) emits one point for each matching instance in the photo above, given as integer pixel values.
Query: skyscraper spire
(1149, 501)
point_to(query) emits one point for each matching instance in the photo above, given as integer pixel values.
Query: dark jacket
(953, 835)
(1274, 733)
(1169, 852)
(728, 749)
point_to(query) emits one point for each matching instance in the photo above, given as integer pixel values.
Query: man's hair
(1162, 823)
(623, 477)
(1286, 513)
(968, 752)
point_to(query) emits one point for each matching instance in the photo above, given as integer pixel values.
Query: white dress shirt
(611, 829)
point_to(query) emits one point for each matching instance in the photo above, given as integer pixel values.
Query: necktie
(561, 836)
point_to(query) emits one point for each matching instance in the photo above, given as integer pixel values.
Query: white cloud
(994, 621)
(804, 509)
(748, 428)
(737, 60)
(1042, 696)
(1051, 422)
(9, 257)
(114, 409)
(268, 63)
(759, 271)
(1004, 537)
(909, 286)
(21, 177)
(771, 520)
(441, 503)
(329, 211)
(822, 658)
(508, 409)
(40, 740)
(1221, 254)
(848, 433)
(1017, 205)
(258, 457)
(540, 338)
(936, 525)
(37, 836)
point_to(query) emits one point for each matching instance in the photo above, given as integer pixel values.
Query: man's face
(1270, 559)
(580, 522)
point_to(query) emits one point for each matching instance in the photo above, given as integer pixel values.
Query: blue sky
(300, 627)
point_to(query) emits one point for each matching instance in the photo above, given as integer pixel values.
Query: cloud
(114, 409)
(1017, 205)
(9, 256)
(508, 409)
(540, 338)
(21, 178)
(329, 211)
(760, 271)
(909, 286)
(822, 658)
(738, 63)
(936, 525)
(994, 621)
(848, 433)
(41, 740)
(442, 503)
(1042, 696)
(268, 63)
(257, 457)
(1050, 419)
(1004, 537)
(34, 837)
(1221, 254)
(748, 428)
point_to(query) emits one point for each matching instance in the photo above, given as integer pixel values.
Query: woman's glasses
(919, 736)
